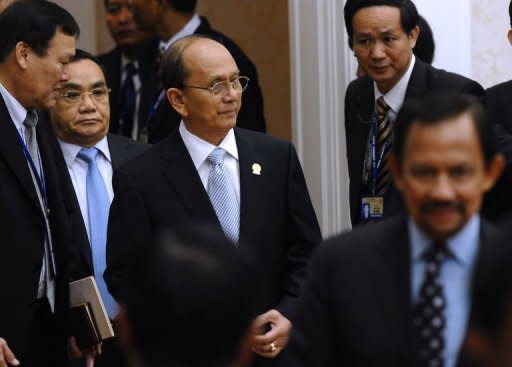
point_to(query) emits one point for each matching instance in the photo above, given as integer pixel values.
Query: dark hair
(192, 299)
(84, 55)
(35, 23)
(491, 291)
(409, 17)
(437, 107)
(173, 69)
(510, 12)
(425, 45)
(183, 6)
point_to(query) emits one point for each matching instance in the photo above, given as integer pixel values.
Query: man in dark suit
(170, 20)
(397, 293)
(382, 34)
(499, 96)
(130, 72)
(35, 230)
(256, 195)
(80, 120)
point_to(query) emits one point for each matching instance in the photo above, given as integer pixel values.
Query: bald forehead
(204, 48)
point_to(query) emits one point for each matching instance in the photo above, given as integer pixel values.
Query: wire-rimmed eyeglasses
(238, 84)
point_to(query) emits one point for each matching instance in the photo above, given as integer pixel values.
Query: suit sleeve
(311, 342)
(303, 234)
(129, 232)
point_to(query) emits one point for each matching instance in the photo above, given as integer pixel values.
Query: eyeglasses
(74, 96)
(222, 88)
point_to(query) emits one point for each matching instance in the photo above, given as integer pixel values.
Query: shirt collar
(17, 112)
(125, 61)
(70, 151)
(395, 96)
(200, 149)
(463, 245)
(189, 29)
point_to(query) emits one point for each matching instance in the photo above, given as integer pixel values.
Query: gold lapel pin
(256, 169)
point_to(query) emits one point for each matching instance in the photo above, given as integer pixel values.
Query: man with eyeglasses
(247, 185)
(80, 120)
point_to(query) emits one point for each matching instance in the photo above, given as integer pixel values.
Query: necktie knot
(217, 156)
(381, 106)
(88, 154)
(130, 69)
(436, 253)
(30, 120)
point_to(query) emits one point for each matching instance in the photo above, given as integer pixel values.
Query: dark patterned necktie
(128, 100)
(383, 146)
(428, 314)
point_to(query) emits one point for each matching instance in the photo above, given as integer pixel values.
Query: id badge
(372, 208)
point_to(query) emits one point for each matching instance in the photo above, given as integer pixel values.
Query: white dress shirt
(189, 29)
(200, 149)
(77, 169)
(395, 96)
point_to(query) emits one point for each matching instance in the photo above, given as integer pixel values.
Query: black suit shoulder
(499, 104)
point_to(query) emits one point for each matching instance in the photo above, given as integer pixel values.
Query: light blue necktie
(98, 203)
(222, 195)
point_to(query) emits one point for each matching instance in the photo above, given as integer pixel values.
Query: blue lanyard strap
(39, 178)
(375, 163)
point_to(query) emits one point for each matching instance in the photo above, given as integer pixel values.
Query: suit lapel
(12, 153)
(392, 283)
(178, 167)
(418, 81)
(251, 187)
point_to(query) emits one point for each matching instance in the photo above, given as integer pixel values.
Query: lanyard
(154, 106)
(375, 163)
(39, 178)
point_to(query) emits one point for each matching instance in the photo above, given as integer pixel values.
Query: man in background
(38, 40)
(383, 34)
(80, 120)
(170, 20)
(130, 71)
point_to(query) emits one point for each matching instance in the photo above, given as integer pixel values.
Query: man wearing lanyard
(32, 214)
(383, 34)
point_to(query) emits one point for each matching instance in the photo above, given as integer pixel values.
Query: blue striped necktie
(222, 195)
(98, 204)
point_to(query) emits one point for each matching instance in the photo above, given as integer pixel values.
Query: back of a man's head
(35, 23)
(192, 300)
(183, 6)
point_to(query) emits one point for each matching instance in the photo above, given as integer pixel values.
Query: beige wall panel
(260, 28)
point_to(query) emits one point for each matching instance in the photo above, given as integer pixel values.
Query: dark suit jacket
(23, 232)
(359, 105)
(356, 308)
(251, 115)
(111, 63)
(499, 104)
(121, 150)
(162, 189)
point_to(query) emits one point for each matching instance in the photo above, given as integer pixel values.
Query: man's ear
(413, 36)
(21, 53)
(493, 171)
(396, 171)
(509, 36)
(176, 98)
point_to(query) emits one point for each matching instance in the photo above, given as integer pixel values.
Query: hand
(89, 355)
(7, 357)
(269, 344)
